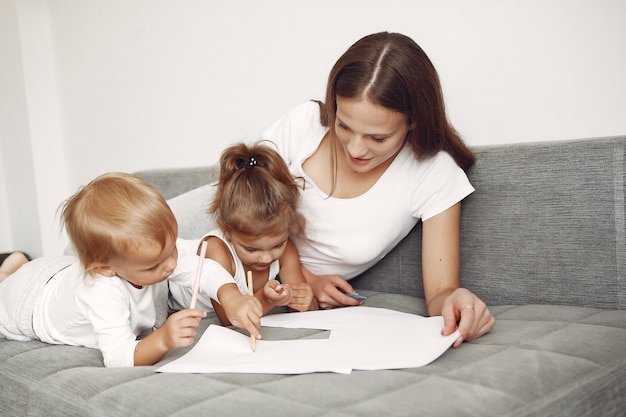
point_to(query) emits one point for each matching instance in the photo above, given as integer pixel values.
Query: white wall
(31, 141)
(136, 84)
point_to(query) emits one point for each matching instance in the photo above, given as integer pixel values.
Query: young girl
(125, 237)
(378, 156)
(255, 209)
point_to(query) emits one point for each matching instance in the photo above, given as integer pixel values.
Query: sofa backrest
(172, 182)
(546, 225)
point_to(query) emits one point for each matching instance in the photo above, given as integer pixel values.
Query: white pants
(20, 291)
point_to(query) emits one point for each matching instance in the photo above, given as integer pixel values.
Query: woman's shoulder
(306, 109)
(442, 161)
(437, 172)
(298, 132)
(432, 184)
(301, 116)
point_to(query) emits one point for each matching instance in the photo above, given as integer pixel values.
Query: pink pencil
(196, 285)
(251, 292)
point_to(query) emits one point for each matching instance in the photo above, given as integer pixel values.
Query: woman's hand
(330, 290)
(470, 312)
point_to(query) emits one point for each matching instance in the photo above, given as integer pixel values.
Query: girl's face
(369, 134)
(258, 253)
(146, 265)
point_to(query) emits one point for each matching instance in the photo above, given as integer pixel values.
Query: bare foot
(11, 264)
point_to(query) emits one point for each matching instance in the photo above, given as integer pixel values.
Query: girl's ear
(104, 269)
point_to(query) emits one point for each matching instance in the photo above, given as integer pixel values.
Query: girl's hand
(241, 310)
(330, 290)
(276, 293)
(470, 312)
(297, 296)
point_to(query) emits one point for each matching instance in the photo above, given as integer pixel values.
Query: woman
(378, 156)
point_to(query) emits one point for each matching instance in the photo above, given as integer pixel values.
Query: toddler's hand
(178, 331)
(180, 328)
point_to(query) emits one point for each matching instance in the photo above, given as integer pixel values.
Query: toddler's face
(147, 264)
(258, 253)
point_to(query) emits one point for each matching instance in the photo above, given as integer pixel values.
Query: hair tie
(250, 163)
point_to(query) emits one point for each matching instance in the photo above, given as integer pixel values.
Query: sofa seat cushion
(538, 360)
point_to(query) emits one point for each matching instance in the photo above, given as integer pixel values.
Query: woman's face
(370, 135)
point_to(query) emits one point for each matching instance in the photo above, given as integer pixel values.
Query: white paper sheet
(363, 338)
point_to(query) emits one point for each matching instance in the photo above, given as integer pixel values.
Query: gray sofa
(543, 243)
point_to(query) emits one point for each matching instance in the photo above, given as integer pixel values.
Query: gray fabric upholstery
(175, 181)
(543, 242)
(539, 360)
(545, 225)
(191, 211)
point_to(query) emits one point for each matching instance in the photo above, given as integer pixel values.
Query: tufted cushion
(538, 360)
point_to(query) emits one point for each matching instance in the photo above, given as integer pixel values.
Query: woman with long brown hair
(378, 156)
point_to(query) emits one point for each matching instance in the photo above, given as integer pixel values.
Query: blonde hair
(113, 214)
(256, 194)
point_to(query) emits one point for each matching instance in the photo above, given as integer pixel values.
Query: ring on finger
(472, 307)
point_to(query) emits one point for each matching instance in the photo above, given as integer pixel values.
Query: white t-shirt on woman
(346, 236)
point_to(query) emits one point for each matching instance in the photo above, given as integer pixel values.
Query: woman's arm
(441, 259)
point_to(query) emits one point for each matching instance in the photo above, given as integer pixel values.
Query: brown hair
(256, 193)
(114, 213)
(392, 71)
